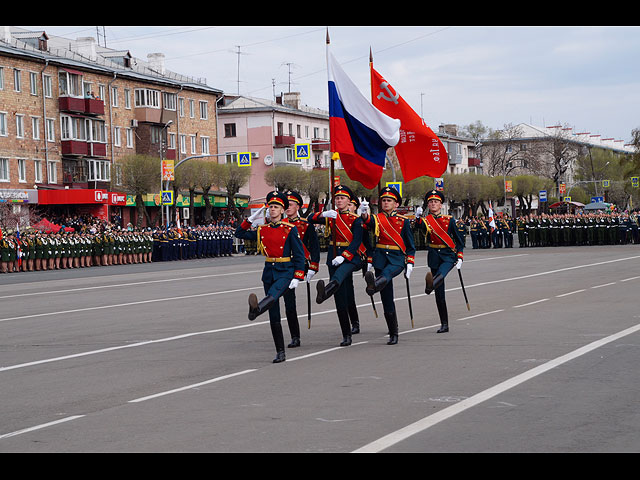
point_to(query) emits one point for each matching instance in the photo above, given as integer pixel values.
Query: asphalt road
(161, 358)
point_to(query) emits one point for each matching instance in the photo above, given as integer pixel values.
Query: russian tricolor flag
(360, 133)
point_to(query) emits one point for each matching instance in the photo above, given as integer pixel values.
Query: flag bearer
(444, 247)
(280, 243)
(349, 252)
(394, 253)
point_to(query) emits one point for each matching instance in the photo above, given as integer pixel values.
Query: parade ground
(161, 357)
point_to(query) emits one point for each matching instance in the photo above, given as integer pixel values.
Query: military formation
(381, 247)
(104, 245)
(37, 251)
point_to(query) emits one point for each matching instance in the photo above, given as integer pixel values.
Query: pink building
(269, 130)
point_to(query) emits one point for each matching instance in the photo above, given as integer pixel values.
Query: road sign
(244, 159)
(597, 199)
(303, 151)
(605, 183)
(508, 186)
(542, 195)
(635, 182)
(168, 170)
(567, 199)
(167, 197)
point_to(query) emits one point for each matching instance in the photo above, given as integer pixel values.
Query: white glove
(407, 273)
(337, 261)
(257, 215)
(364, 207)
(459, 264)
(330, 214)
(294, 283)
(369, 266)
(310, 275)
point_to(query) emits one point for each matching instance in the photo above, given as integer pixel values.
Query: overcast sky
(584, 77)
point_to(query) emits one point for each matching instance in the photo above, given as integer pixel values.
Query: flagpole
(334, 157)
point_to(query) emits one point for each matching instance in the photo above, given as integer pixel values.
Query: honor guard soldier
(349, 252)
(280, 243)
(393, 253)
(445, 249)
(352, 307)
(311, 247)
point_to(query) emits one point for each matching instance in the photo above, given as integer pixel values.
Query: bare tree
(140, 175)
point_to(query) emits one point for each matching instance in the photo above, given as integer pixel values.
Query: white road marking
(39, 427)
(446, 413)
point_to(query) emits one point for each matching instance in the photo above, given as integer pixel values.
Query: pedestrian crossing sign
(396, 185)
(167, 197)
(244, 159)
(302, 151)
(605, 183)
(635, 182)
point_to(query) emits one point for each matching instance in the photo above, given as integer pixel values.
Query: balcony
(81, 148)
(86, 106)
(319, 144)
(475, 162)
(284, 140)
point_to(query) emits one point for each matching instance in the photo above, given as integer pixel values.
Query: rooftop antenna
(239, 53)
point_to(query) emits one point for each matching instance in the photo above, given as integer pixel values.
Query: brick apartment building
(69, 109)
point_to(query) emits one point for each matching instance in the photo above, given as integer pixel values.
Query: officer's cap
(390, 192)
(434, 194)
(278, 198)
(294, 197)
(344, 191)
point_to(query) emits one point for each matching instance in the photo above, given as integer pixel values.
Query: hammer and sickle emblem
(392, 97)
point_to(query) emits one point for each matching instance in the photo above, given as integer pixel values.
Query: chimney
(156, 62)
(5, 34)
(86, 46)
(291, 99)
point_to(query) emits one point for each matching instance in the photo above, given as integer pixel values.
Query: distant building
(71, 108)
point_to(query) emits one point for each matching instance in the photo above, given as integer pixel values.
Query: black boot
(374, 284)
(325, 292)
(431, 282)
(278, 339)
(444, 316)
(256, 308)
(392, 325)
(345, 327)
(354, 319)
(294, 328)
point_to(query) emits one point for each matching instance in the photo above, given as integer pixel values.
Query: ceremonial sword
(463, 290)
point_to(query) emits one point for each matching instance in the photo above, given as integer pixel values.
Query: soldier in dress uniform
(349, 253)
(279, 241)
(352, 307)
(444, 251)
(311, 247)
(393, 253)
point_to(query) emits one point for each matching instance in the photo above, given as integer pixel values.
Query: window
(169, 101)
(99, 171)
(172, 141)
(181, 106)
(192, 108)
(203, 110)
(145, 97)
(129, 135)
(52, 172)
(35, 127)
(33, 77)
(231, 157)
(20, 126)
(114, 96)
(183, 144)
(16, 80)
(97, 131)
(70, 84)
(3, 124)
(291, 157)
(51, 136)
(1, 78)
(229, 129)
(127, 98)
(116, 136)
(47, 86)
(205, 145)
(72, 128)
(193, 143)
(4, 169)
(22, 170)
(37, 170)
(155, 134)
